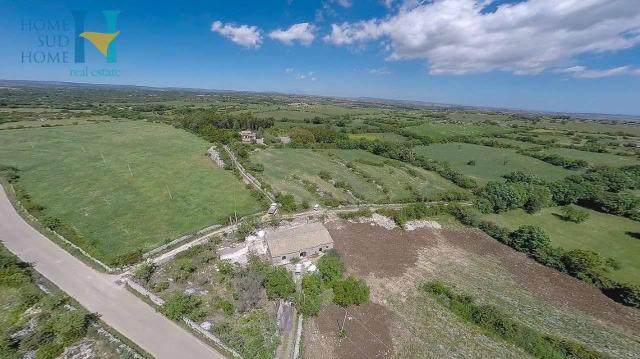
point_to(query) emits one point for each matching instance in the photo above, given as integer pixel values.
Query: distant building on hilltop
(298, 242)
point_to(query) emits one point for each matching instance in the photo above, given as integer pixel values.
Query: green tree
(530, 239)
(302, 136)
(331, 266)
(350, 291)
(279, 283)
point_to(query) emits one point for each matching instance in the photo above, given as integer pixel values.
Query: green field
(594, 158)
(125, 186)
(490, 163)
(440, 131)
(382, 136)
(285, 170)
(609, 235)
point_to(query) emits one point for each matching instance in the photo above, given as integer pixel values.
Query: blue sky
(557, 55)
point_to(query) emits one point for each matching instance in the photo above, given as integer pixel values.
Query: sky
(549, 55)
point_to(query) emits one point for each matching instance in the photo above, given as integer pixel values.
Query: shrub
(572, 214)
(279, 283)
(325, 175)
(180, 304)
(145, 271)
(530, 239)
(287, 202)
(350, 291)
(330, 266)
(49, 351)
(301, 136)
(308, 301)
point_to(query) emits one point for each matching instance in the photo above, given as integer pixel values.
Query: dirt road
(99, 292)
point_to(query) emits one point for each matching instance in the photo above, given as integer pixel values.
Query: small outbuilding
(298, 242)
(248, 136)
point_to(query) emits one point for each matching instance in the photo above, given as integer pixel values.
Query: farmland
(396, 263)
(490, 163)
(595, 158)
(368, 178)
(441, 131)
(609, 235)
(125, 187)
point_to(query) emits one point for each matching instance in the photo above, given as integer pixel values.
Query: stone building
(298, 242)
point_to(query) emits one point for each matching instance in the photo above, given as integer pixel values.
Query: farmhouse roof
(297, 239)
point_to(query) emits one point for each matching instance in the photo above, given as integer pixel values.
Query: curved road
(99, 292)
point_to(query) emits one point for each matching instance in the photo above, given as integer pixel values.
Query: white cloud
(581, 71)
(379, 71)
(456, 37)
(344, 3)
(300, 76)
(243, 35)
(304, 33)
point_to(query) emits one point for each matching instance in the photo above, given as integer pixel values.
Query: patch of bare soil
(370, 249)
(367, 333)
(544, 282)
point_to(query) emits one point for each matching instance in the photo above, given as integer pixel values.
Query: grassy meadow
(124, 186)
(371, 178)
(595, 158)
(609, 235)
(441, 131)
(490, 163)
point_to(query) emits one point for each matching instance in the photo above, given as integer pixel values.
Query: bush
(530, 239)
(180, 304)
(287, 202)
(330, 266)
(572, 214)
(279, 283)
(145, 271)
(350, 291)
(497, 323)
(325, 175)
(50, 351)
(308, 301)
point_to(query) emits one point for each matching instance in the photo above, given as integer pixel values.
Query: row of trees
(600, 188)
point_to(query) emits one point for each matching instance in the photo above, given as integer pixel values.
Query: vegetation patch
(119, 189)
(493, 322)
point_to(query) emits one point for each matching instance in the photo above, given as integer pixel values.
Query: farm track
(98, 292)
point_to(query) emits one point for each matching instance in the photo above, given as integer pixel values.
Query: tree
(582, 264)
(530, 239)
(279, 283)
(301, 136)
(538, 198)
(501, 197)
(331, 266)
(350, 291)
(309, 300)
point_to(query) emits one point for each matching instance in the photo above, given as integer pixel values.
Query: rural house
(248, 136)
(298, 242)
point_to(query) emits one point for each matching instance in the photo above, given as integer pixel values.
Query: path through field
(98, 292)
